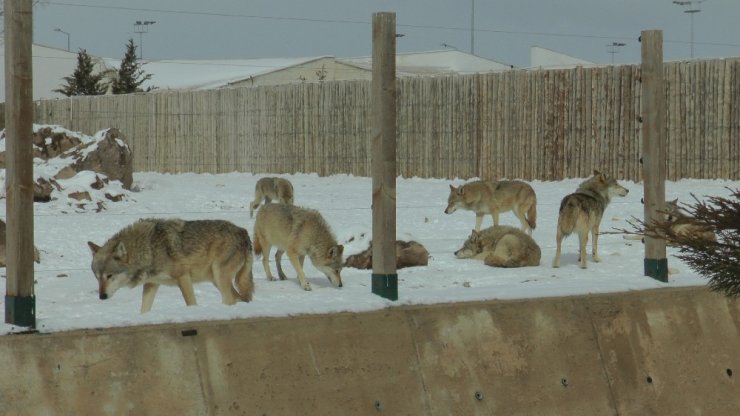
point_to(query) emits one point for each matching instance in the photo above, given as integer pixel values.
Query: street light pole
(66, 33)
(613, 49)
(472, 27)
(142, 27)
(691, 11)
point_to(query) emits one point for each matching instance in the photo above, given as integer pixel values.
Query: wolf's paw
(596, 258)
(307, 288)
(270, 277)
(282, 276)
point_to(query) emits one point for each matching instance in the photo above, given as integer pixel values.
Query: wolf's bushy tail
(569, 209)
(257, 241)
(244, 280)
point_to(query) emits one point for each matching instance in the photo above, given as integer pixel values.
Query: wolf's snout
(103, 296)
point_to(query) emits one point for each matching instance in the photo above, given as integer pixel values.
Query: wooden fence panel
(545, 125)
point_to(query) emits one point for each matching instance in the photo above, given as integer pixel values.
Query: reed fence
(546, 125)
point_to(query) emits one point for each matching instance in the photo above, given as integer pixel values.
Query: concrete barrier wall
(662, 352)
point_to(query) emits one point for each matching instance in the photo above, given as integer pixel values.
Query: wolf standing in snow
(495, 197)
(269, 189)
(298, 232)
(581, 212)
(501, 246)
(153, 252)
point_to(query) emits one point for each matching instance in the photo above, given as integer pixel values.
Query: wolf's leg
(494, 215)
(186, 287)
(595, 243)
(478, 220)
(266, 259)
(278, 257)
(559, 239)
(147, 296)
(295, 261)
(582, 242)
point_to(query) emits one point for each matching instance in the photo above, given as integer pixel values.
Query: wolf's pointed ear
(596, 172)
(93, 247)
(120, 251)
(452, 188)
(336, 251)
(675, 201)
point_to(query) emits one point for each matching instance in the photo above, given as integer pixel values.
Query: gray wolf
(3, 232)
(153, 252)
(408, 254)
(495, 197)
(298, 232)
(269, 189)
(501, 246)
(581, 212)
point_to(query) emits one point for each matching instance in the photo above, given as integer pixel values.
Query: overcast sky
(504, 29)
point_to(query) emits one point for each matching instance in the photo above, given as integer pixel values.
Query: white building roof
(447, 61)
(206, 74)
(543, 58)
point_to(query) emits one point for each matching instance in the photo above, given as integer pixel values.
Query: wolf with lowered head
(154, 252)
(269, 189)
(581, 212)
(298, 232)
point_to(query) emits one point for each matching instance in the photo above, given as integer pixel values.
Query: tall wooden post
(20, 302)
(653, 148)
(384, 277)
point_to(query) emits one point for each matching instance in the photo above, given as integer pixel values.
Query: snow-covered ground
(66, 289)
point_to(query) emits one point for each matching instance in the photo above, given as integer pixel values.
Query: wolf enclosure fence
(546, 124)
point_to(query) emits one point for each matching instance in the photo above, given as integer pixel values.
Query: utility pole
(20, 301)
(383, 137)
(653, 148)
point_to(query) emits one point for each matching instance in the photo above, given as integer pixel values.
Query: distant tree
(130, 75)
(83, 81)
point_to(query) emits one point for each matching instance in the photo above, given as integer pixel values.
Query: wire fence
(545, 125)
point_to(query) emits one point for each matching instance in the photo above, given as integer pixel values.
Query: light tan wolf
(298, 232)
(681, 224)
(501, 246)
(408, 254)
(495, 197)
(269, 189)
(153, 252)
(581, 212)
(685, 225)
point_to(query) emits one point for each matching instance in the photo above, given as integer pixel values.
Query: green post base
(20, 310)
(657, 269)
(385, 285)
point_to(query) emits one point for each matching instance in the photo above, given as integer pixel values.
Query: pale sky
(504, 29)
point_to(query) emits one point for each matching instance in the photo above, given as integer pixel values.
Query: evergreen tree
(718, 261)
(130, 74)
(83, 81)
